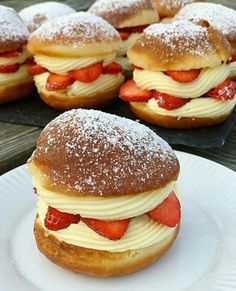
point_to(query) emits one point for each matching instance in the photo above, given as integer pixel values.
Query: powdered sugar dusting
(12, 27)
(76, 29)
(104, 154)
(174, 4)
(36, 15)
(182, 35)
(219, 16)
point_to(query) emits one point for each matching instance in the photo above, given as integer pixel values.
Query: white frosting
(64, 65)
(142, 232)
(232, 69)
(104, 82)
(16, 60)
(208, 79)
(125, 63)
(196, 108)
(105, 208)
(128, 43)
(20, 74)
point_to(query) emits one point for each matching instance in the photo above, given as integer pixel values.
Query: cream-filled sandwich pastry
(75, 61)
(181, 76)
(35, 15)
(106, 186)
(15, 82)
(168, 8)
(220, 17)
(129, 18)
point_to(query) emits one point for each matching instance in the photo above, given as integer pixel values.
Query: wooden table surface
(17, 142)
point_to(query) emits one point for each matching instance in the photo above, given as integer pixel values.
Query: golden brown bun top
(119, 12)
(168, 8)
(181, 45)
(76, 34)
(219, 16)
(35, 15)
(13, 32)
(95, 153)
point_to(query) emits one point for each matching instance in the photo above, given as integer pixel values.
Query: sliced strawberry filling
(35, 69)
(11, 54)
(58, 82)
(112, 69)
(11, 68)
(233, 58)
(87, 74)
(224, 91)
(129, 91)
(169, 102)
(127, 31)
(184, 76)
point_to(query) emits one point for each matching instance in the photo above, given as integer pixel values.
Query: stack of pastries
(181, 76)
(107, 200)
(15, 82)
(75, 61)
(129, 17)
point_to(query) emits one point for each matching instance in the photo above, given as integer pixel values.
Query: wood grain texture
(17, 142)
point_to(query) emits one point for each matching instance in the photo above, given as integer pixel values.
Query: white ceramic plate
(202, 258)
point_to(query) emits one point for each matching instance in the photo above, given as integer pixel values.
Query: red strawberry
(112, 68)
(184, 76)
(11, 54)
(133, 29)
(30, 61)
(169, 102)
(224, 91)
(58, 82)
(113, 230)
(87, 74)
(129, 91)
(124, 35)
(233, 58)
(56, 220)
(36, 70)
(168, 212)
(11, 68)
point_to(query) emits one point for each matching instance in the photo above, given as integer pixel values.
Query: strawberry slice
(184, 76)
(129, 91)
(11, 68)
(112, 230)
(58, 82)
(29, 61)
(36, 70)
(224, 91)
(56, 220)
(169, 102)
(133, 29)
(112, 68)
(233, 58)
(11, 54)
(168, 212)
(87, 74)
(124, 35)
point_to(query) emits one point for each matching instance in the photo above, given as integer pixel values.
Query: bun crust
(75, 35)
(105, 155)
(13, 32)
(15, 91)
(180, 45)
(143, 112)
(96, 262)
(60, 100)
(122, 14)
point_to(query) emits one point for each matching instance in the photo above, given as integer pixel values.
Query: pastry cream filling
(106, 208)
(20, 74)
(103, 83)
(142, 232)
(232, 69)
(125, 63)
(196, 108)
(208, 79)
(16, 60)
(126, 44)
(64, 65)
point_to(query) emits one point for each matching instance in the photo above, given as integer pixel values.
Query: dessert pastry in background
(129, 17)
(181, 76)
(35, 15)
(15, 82)
(221, 17)
(75, 61)
(107, 200)
(168, 8)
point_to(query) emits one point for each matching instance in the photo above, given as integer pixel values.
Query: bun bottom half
(16, 91)
(61, 101)
(96, 262)
(141, 110)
